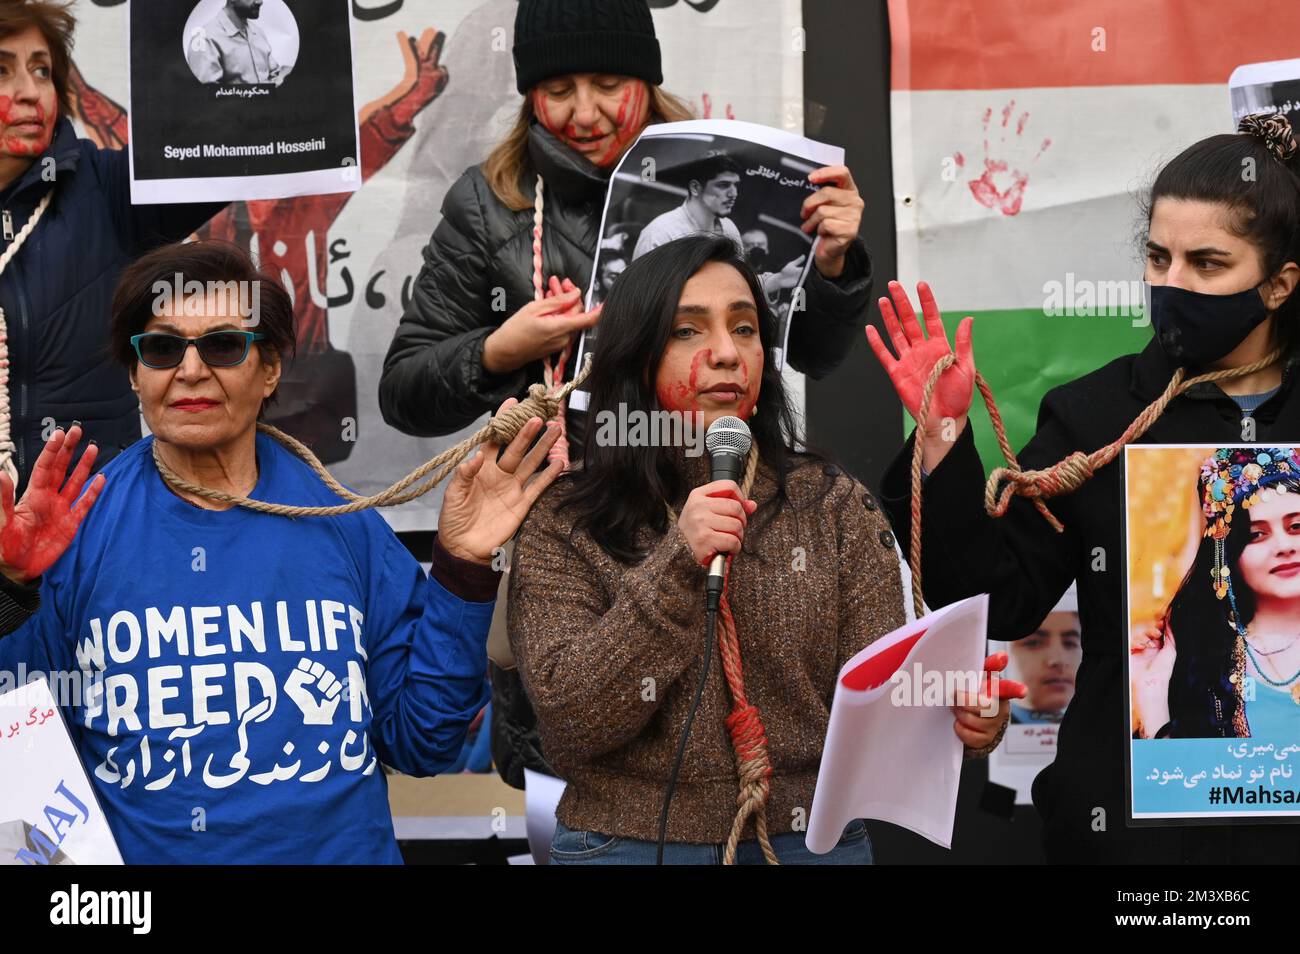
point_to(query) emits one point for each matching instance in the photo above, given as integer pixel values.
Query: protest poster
(1213, 610)
(1266, 88)
(1046, 661)
(742, 180)
(48, 811)
(241, 100)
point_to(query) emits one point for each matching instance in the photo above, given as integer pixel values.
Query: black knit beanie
(555, 37)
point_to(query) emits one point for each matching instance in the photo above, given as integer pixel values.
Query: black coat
(1025, 566)
(57, 291)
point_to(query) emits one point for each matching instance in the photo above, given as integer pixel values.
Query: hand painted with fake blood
(37, 532)
(979, 718)
(834, 214)
(556, 288)
(918, 352)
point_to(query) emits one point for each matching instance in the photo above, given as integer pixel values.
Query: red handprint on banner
(1002, 183)
(706, 111)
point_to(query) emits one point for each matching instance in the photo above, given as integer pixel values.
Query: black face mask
(1195, 329)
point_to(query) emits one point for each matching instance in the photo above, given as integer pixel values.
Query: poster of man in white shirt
(234, 47)
(711, 192)
(241, 100)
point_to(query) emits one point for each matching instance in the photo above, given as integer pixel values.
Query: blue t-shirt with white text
(240, 677)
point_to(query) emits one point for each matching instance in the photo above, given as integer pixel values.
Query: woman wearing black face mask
(1222, 252)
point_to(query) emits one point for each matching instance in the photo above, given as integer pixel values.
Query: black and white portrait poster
(1266, 88)
(241, 100)
(732, 178)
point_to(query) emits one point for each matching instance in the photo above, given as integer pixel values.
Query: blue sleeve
(145, 227)
(427, 669)
(42, 644)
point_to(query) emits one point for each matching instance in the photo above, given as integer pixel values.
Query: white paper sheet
(891, 753)
(48, 810)
(541, 797)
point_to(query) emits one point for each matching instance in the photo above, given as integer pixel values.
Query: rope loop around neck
(499, 430)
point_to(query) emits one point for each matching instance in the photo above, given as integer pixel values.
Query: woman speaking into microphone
(1221, 257)
(498, 301)
(607, 588)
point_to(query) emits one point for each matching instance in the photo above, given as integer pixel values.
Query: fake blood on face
(15, 143)
(627, 124)
(750, 398)
(678, 395)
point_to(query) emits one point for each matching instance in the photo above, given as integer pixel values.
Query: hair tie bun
(1274, 131)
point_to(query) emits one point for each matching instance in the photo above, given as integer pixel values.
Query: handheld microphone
(728, 441)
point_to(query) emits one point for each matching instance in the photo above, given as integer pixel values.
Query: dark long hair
(1265, 206)
(620, 490)
(1203, 702)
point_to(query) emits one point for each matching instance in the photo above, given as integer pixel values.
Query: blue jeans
(593, 848)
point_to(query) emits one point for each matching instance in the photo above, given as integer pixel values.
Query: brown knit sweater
(610, 653)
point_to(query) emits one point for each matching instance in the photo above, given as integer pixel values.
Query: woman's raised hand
(489, 496)
(39, 529)
(918, 354)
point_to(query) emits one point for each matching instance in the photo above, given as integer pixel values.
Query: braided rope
(744, 722)
(539, 206)
(499, 430)
(552, 375)
(7, 446)
(1063, 477)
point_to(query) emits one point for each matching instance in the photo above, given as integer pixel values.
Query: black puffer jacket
(434, 382)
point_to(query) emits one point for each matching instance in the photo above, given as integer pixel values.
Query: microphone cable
(686, 729)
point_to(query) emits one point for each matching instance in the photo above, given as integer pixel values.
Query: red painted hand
(980, 717)
(918, 354)
(37, 532)
(1006, 688)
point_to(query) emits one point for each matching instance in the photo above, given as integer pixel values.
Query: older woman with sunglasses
(247, 673)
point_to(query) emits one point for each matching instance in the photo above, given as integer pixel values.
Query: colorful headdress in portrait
(1234, 477)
